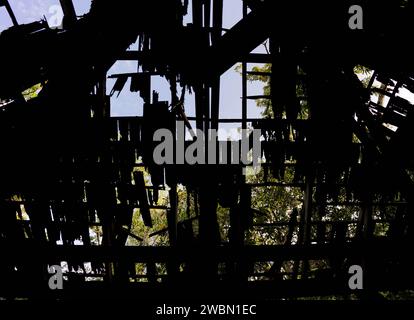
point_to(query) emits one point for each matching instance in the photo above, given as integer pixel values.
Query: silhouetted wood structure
(67, 166)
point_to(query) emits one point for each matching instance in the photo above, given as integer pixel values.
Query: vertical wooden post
(172, 216)
(244, 81)
(172, 265)
(307, 208)
(215, 87)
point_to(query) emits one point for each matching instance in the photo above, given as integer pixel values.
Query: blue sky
(130, 104)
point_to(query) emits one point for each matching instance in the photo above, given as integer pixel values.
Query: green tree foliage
(261, 74)
(32, 92)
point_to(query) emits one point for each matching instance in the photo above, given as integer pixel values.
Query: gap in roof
(34, 10)
(406, 94)
(82, 7)
(232, 12)
(5, 20)
(28, 11)
(127, 103)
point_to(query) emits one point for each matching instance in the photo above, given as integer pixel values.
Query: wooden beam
(374, 247)
(11, 13)
(244, 79)
(258, 58)
(68, 10)
(238, 42)
(217, 20)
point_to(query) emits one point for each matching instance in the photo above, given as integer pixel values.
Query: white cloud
(32, 10)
